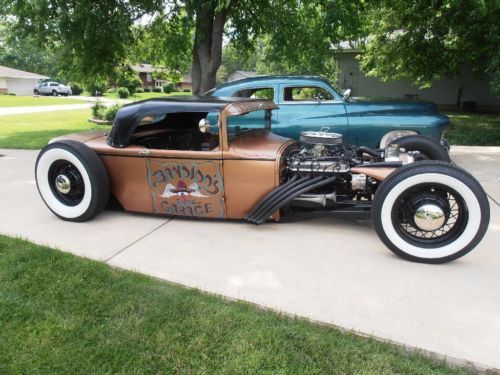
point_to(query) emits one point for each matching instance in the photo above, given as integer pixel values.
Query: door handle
(144, 153)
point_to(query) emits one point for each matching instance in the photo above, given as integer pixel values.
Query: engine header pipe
(271, 194)
(287, 197)
(271, 200)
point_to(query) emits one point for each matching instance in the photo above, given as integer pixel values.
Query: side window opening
(256, 93)
(306, 93)
(174, 131)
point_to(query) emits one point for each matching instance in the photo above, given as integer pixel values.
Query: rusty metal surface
(376, 173)
(82, 137)
(239, 108)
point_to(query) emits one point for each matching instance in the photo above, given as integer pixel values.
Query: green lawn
(34, 130)
(145, 95)
(473, 129)
(31, 101)
(68, 315)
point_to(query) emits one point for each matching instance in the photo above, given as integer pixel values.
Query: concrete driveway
(333, 270)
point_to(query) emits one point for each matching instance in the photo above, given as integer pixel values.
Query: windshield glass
(239, 124)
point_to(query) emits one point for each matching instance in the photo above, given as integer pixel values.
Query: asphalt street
(334, 270)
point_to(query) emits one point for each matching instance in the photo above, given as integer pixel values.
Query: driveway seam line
(493, 199)
(136, 241)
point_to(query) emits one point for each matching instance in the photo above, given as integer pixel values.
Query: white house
(240, 74)
(18, 82)
(451, 91)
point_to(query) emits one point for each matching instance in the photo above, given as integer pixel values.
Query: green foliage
(168, 87)
(139, 90)
(95, 85)
(426, 40)
(76, 88)
(24, 52)
(123, 92)
(63, 314)
(110, 112)
(127, 77)
(157, 89)
(98, 110)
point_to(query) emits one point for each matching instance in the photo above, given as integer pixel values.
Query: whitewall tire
(72, 180)
(430, 212)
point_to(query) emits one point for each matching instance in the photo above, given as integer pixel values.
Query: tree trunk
(207, 46)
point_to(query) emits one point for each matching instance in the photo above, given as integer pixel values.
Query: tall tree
(426, 40)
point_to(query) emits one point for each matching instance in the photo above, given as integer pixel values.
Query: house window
(149, 78)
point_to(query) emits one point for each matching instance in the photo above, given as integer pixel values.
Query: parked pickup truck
(309, 103)
(52, 88)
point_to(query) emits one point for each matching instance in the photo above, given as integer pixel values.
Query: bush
(98, 110)
(168, 87)
(139, 90)
(186, 90)
(76, 88)
(157, 89)
(112, 90)
(123, 92)
(8, 93)
(147, 89)
(110, 113)
(96, 86)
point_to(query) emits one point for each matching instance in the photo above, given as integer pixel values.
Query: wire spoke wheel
(430, 215)
(431, 212)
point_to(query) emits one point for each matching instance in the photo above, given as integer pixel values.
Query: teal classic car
(312, 104)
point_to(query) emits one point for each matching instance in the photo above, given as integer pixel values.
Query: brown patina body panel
(226, 182)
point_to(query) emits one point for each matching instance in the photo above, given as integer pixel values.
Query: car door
(310, 107)
(186, 183)
(44, 88)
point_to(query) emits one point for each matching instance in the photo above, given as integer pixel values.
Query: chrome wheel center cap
(429, 217)
(63, 184)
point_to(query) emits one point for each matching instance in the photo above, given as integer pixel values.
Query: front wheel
(429, 148)
(72, 180)
(430, 212)
(54, 93)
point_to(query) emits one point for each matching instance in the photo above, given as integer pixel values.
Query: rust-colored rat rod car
(163, 156)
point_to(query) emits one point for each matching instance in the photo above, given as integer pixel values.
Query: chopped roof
(130, 115)
(6, 72)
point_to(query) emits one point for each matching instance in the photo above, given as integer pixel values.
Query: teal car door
(310, 108)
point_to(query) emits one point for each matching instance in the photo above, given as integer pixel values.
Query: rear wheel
(72, 180)
(430, 212)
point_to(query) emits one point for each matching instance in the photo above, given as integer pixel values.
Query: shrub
(98, 110)
(112, 90)
(76, 88)
(147, 89)
(123, 92)
(186, 90)
(96, 85)
(110, 113)
(168, 87)
(139, 90)
(157, 89)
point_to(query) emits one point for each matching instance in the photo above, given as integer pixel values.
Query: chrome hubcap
(63, 184)
(429, 217)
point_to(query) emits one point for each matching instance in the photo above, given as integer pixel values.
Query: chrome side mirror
(346, 94)
(204, 125)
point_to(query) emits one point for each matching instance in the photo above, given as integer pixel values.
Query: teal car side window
(306, 94)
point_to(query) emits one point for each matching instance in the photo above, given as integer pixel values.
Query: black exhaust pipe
(290, 183)
(314, 184)
(297, 185)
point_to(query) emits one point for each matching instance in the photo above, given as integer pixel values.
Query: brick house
(146, 75)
